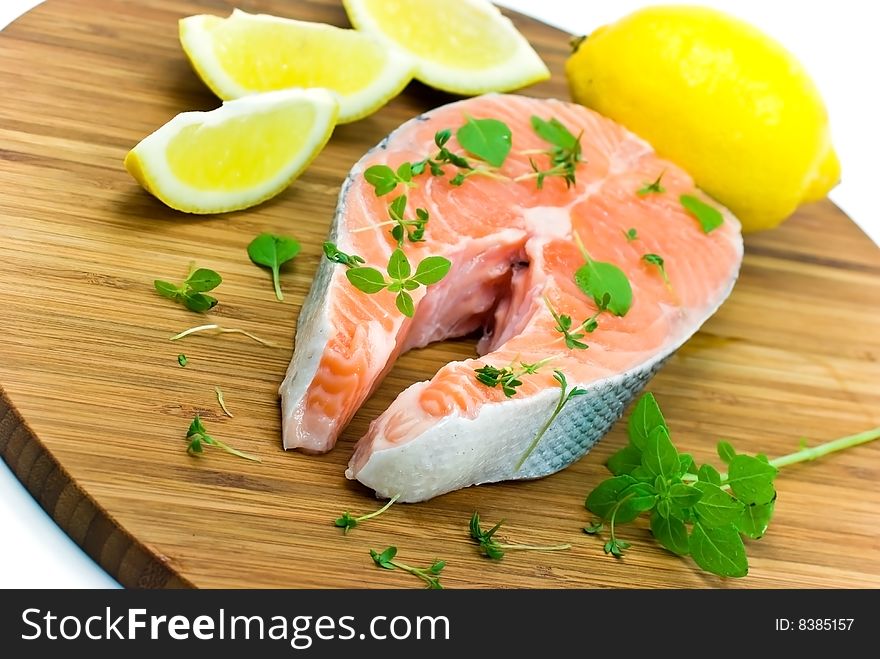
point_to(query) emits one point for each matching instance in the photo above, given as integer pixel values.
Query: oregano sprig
(491, 548)
(694, 511)
(272, 251)
(565, 395)
(430, 575)
(400, 278)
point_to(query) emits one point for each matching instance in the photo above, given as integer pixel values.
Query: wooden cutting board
(94, 406)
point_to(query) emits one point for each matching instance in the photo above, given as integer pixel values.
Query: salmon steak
(516, 244)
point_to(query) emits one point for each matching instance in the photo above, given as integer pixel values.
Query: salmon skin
(514, 252)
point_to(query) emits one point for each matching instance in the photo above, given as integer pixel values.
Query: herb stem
(214, 328)
(380, 511)
(544, 429)
(241, 454)
(373, 226)
(614, 514)
(580, 246)
(814, 452)
(535, 547)
(222, 402)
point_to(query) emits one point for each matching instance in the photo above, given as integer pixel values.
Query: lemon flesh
(236, 156)
(718, 97)
(252, 53)
(465, 47)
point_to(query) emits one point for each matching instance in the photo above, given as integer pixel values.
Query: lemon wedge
(236, 156)
(252, 53)
(465, 47)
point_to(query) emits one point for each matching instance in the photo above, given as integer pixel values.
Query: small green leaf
(635, 500)
(751, 479)
(272, 252)
(488, 139)
(384, 558)
(726, 452)
(594, 527)
(382, 178)
(398, 265)
(431, 270)
(368, 280)
(441, 137)
(631, 234)
(645, 417)
(555, 132)
(708, 474)
(606, 284)
(397, 208)
(652, 188)
(664, 508)
(405, 304)
(684, 496)
(671, 533)
(203, 280)
(687, 463)
(719, 550)
(166, 289)
(755, 519)
(709, 217)
(198, 301)
(404, 172)
(625, 460)
(716, 507)
(659, 455)
(605, 496)
(182, 360)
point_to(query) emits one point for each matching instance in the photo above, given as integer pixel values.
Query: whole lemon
(718, 97)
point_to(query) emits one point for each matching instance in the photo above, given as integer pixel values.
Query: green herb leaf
(605, 496)
(335, 255)
(368, 280)
(644, 419)
(606, 284)
(404, 172)
(755, 519)
(634, 500)
(398, 265)
(166, 289)
(431, 270)
(708, 474)
(709, 217)
(405, 304)
(554, 131)
(199, 437)
(271, 251)
(198, 301)
(715, 507)
(382, 178)
(652, 188)
(488, 139)
(719, 550)
(631, 234)
(751, 479)
(625, 460)
(383, 559)
(671, 533)
(687, 463)
(203, 280)
(726, 452)
(683, 496)
(659, 455)
(593, 528)
(182, 360)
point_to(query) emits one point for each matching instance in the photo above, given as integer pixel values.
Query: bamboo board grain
(94, 407)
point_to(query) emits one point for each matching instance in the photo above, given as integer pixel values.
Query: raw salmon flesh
(513, 253)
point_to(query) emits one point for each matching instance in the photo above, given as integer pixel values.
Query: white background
(836, 41)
